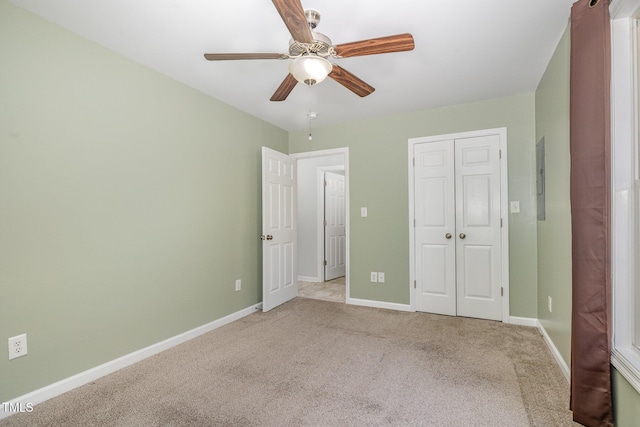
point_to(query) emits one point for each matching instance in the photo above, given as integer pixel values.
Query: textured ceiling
(465, 50)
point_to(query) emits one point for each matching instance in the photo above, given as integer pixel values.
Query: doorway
(323, 235)
(459, 227)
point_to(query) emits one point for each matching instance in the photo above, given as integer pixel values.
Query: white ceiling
(466, 50)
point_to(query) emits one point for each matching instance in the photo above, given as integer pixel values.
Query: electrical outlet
(550, 305)
(363, 212)
(374, 276)
(238, 284)
(381, 277)
(17, 346)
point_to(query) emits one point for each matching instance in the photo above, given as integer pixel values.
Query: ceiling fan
(309, 50)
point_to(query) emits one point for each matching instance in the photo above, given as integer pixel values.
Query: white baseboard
(379, 304)
(309, 279)
(554, 351)
(522, 321)
(68, 384)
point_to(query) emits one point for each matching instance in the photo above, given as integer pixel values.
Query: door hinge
(414, 284)
(501, 292)
(500, 222)
(325, 262)
(499, 154)
(325, 183)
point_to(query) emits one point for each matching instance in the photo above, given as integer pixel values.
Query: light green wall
(626, 402)
(378, 173)
(554, 234)
(129, 204)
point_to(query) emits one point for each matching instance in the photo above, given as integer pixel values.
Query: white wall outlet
(238, 284)
(17, 346)
(550, 304)
(381, 277)
(363, 212)
(374, 276)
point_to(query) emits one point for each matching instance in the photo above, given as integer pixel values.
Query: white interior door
(334, 226)
(457, 233)
(478, 254)
(435, 228)
(279, 238)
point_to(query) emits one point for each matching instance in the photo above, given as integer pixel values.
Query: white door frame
(327, 153)
(504, 208)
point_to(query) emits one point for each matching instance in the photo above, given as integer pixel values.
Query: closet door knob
(448, 235)
(462, 235)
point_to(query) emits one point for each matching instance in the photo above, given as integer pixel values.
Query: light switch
(515, 207)
(363, 212)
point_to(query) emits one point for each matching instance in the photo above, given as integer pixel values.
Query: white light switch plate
(363, 212)
(515, 207)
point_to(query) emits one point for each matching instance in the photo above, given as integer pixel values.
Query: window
(636, 29)
(625, 115)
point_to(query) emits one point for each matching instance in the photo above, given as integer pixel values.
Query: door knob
(448, 235)
(262, 237)
(269, 237)
(462, 235)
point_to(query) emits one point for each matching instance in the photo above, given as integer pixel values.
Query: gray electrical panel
(540, 179)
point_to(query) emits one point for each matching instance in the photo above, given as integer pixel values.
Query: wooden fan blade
(285, 88)
(397, 43)
(292, 14)
(234, 56)
(350, 81)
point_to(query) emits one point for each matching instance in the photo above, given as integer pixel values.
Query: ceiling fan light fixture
(310, 69)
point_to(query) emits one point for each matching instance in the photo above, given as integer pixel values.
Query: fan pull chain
(310, 114)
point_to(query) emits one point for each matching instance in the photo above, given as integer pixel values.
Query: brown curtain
(590, 213)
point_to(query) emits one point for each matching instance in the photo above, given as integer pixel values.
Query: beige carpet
(318, 363)
(333, 290)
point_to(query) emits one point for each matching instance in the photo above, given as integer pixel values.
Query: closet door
(457, 227)
(435, 228)
(478, 239)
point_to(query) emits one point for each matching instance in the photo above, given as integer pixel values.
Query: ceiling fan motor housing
(320, 46)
